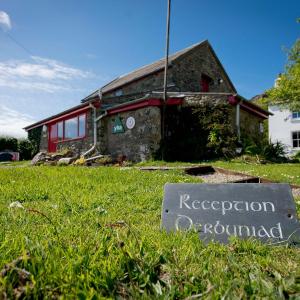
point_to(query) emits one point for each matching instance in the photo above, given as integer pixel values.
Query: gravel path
(224, 178)
(221, 178)
(296, 192)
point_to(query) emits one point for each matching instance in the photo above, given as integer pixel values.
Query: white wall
(281, 126)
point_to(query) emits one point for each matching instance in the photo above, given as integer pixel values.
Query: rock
(16, 204)
(65, 161)
(56, 156)
(38, 158)
(51, 159)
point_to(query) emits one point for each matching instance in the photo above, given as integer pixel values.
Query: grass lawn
(289, 173)
(285, 173)
(90, 233)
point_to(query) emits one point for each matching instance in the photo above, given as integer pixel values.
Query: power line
(18, 43)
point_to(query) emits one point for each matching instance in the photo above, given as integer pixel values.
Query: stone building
(124, 117)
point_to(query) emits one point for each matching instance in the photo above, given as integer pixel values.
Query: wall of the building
(281, 126)
(137, 144)
(77, 145)
(184, 76)
(152, 82)
(251, 125)
(188, 69)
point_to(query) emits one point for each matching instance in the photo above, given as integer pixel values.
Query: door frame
(52, 137)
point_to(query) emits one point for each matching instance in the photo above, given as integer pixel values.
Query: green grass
(15, 163)
(289, 173)
(95, 232)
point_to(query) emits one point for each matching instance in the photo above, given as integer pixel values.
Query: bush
(34, 136)
(274, 151)
(221, 139)
(8, 143)
(267, 150)
(193, 134)
(297, 155)
(23, 146)
(26, 149)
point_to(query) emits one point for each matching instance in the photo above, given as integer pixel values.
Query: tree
(286, 93)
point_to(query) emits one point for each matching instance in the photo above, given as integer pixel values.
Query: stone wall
(137, 144)
(197, 100)
(138, 88)
(188, 69)
(250, 125)
(184, 76)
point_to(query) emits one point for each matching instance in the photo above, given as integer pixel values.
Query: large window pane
(60, 130)
(53, 132)
(82, 125)
(71, 128)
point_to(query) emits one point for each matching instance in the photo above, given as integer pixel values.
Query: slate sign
(247, 210)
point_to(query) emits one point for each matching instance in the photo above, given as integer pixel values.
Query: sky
(53, 53)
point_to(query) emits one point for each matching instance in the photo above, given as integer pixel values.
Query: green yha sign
(118, 126)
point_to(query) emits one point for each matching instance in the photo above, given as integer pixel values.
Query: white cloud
(5, 22)
(12, 122)
(35, 86)
(41, 74)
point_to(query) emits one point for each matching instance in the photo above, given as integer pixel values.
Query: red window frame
(57, 139)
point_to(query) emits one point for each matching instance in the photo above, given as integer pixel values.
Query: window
(81, 126)
(53, 132)
(296, 139)
(296, 115)
(261, 127)
(118, 93)
(205, 82)
(60, 130)
(73, 128)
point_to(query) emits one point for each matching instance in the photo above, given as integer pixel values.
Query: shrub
(274, 151)
(204, 132)
(266, 150)
(8, 143)
(25, 148)
(34, 135)
(297, 155)
(221, 139)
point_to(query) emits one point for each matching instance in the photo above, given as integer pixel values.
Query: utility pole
(165, 96)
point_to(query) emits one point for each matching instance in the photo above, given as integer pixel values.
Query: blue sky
(74, 47)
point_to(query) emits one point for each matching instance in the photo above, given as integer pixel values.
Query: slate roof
(145, 70)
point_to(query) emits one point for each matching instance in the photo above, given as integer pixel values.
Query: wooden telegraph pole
(165, 95)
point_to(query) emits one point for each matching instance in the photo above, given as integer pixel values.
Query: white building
(284, 126)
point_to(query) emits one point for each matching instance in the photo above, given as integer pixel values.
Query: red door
(52, 137)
